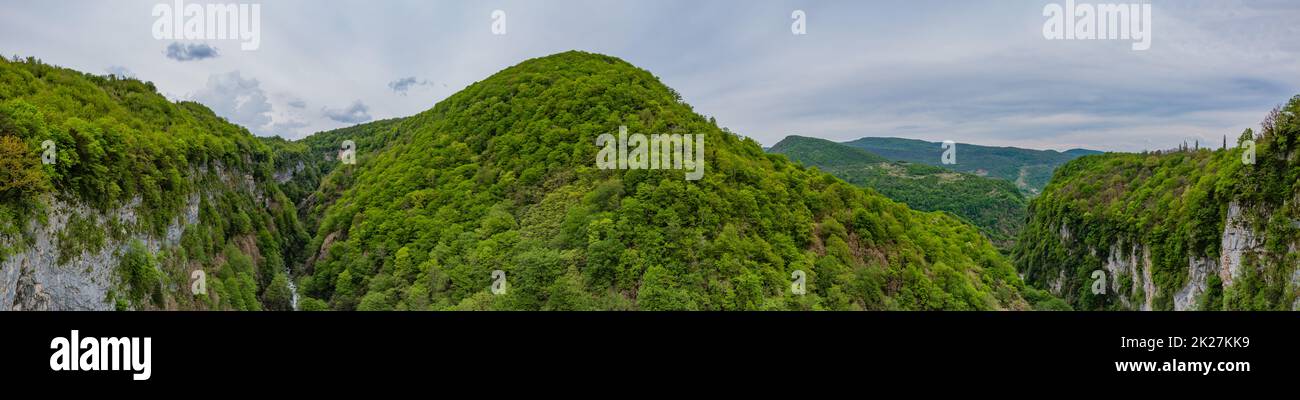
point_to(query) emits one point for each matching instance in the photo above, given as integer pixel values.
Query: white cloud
(355, 113)
(119, 71)
(238, 99)
(979, 71)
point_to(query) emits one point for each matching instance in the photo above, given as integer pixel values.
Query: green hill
(1029, 169)
(1186, 229)
(823, 153)
(502, 176)
(993, 205)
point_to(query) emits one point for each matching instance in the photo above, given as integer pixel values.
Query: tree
(312, 304)
(20, 172)
(659, 292)
(567, 294)
(140, 274)
(749, 291)
(277, 296)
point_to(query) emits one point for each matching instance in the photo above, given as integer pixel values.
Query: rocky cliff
(112, 197)
(1183, 229)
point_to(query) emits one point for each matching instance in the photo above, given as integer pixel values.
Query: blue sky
(969, 71)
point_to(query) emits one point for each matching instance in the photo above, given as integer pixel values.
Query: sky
(969, 71)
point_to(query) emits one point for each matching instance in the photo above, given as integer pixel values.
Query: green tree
(277, 296)
(659, 292)
(139, 272)
(20, 172)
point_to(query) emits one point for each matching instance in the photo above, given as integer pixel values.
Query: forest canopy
(501, 177)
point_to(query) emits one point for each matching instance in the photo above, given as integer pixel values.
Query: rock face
(1132, 263)
(29, 295)
(1295, 282)
(1198, 269)
(1237, 239)
(283, 176)
(1136, 266)
(33, 279)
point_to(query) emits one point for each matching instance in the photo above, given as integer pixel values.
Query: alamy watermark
(1099, 283)
(348, 152)
(49, 152)
(498, 22)
(800, 24)
(212, 21)
(1119, 21)
(675, 151)
(1247, 155)
(499, 284)
(949, 155)
(75, 353)
(199, 283)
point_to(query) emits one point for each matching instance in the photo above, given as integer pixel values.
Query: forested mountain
(502, 176)
(1182, 229)
(499, 177)
(993, 205)
(112, 197)
(1029, 169)
(823, 153)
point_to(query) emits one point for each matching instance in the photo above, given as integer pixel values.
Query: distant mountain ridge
(1029, 169)
(993, 205)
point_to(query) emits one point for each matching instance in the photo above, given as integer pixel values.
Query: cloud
(401, 86)
(999, 82)
(356, 113)
(238, 99)
(288, 129)
(190, 52)
(974, 72)
(244, 102)
(119, 71)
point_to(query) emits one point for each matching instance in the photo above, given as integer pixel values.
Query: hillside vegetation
(1029, 169)
(993, 205)
(501, 177)
(1205, 225)
(129, 169)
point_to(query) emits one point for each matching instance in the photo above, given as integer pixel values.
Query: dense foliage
(1175, 204)
(304, 167)
(498, 177)
(501, 176)
(1029, 169)
(122, 149)
(993, 205)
